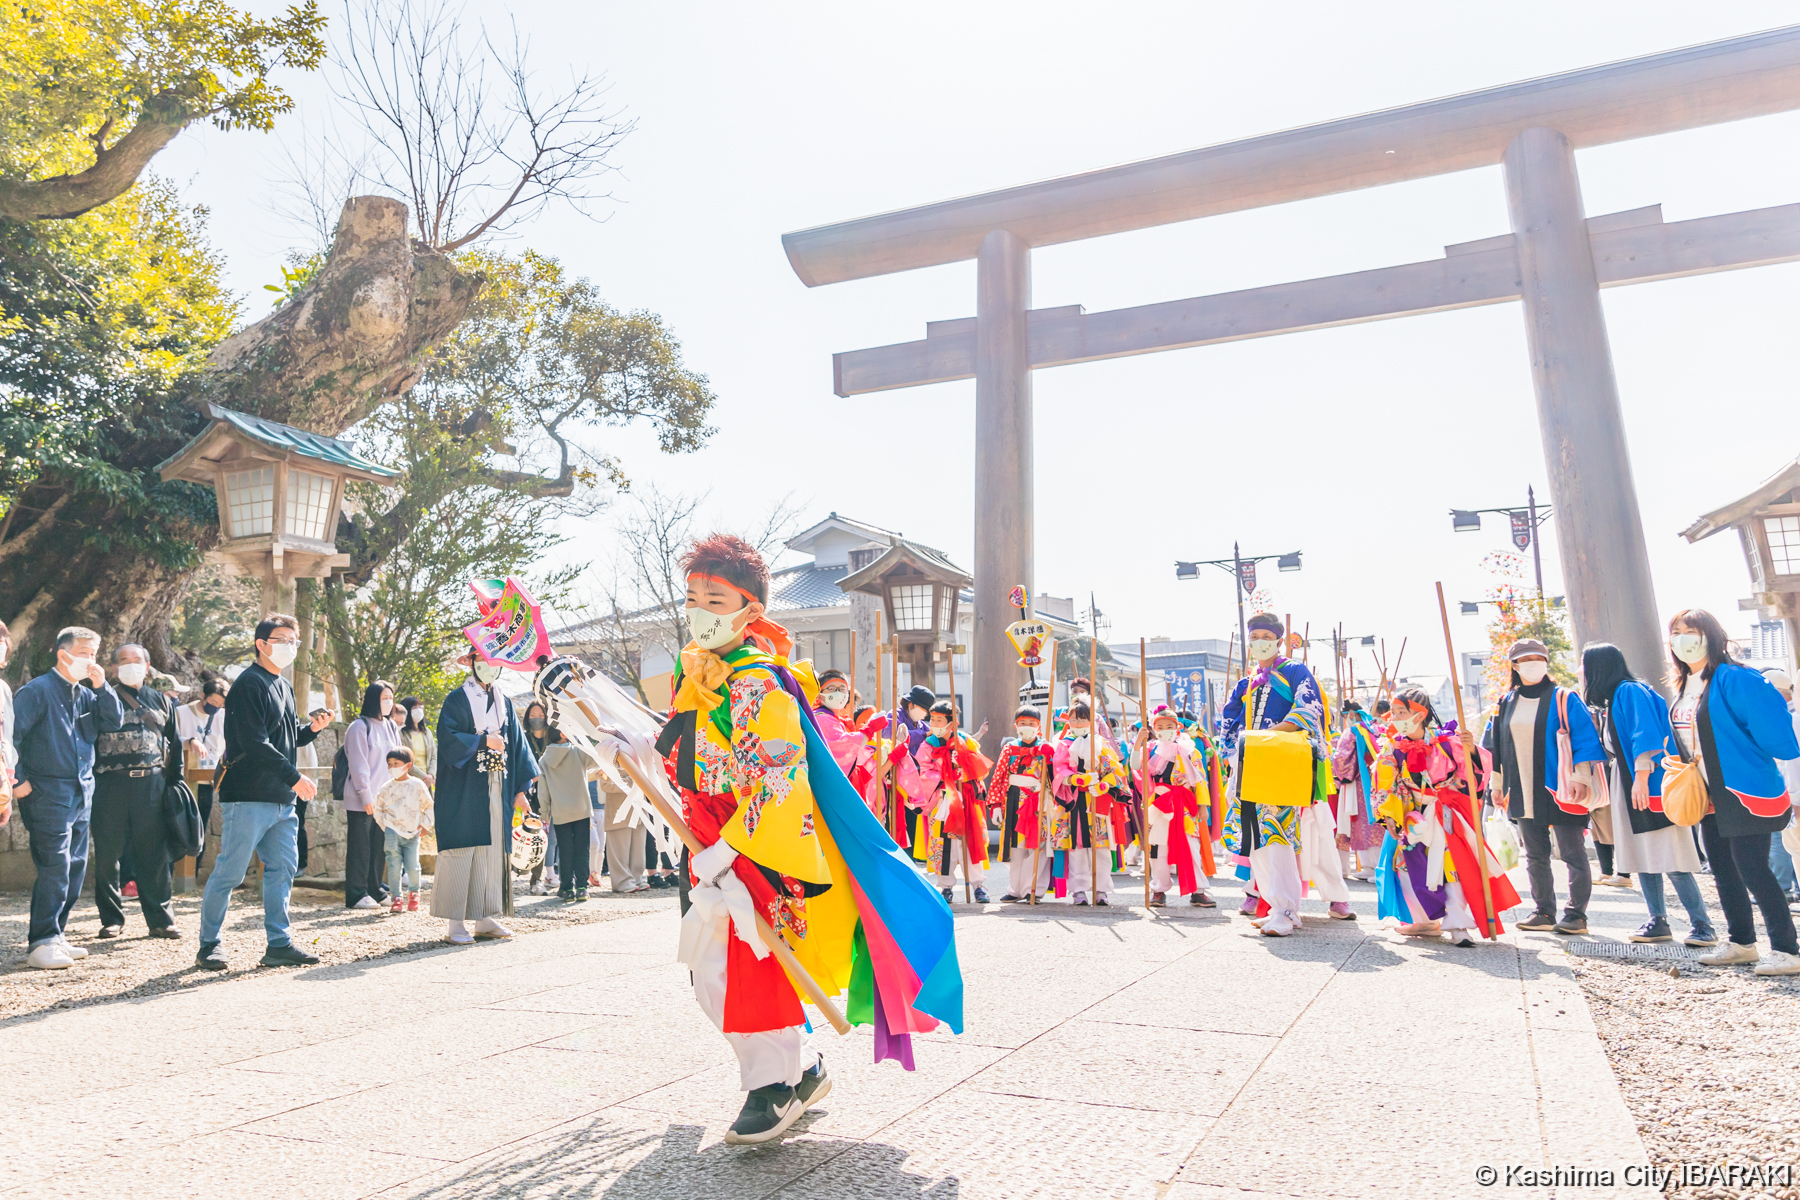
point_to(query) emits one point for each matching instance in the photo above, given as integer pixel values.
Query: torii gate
(1555, 261)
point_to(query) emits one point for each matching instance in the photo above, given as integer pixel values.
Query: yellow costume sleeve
(774, 826)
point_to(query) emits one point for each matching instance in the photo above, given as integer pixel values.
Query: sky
(1349, 444)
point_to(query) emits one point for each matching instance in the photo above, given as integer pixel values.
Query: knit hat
(1525, 648)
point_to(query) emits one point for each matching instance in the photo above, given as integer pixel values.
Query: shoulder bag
(1599, 793)
(1684, 787)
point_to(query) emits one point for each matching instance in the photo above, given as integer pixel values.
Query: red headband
(725, 583)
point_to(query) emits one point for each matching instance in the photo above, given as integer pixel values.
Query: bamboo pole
(1043, 775)
(1144, 787)
(1095, 698)
(1462, 729)
(955, 785)
(670, 812)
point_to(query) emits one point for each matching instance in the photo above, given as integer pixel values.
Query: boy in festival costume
(1178, 778)
(1015, 791)
(1430, 879)
(1282, 695)
(946, 776)
(786, 838)
(1086, 769)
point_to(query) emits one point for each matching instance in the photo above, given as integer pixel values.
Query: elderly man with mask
(132, 766)
(484, 767)
(57, 718)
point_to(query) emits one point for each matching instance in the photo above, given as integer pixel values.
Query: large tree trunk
(348, 341)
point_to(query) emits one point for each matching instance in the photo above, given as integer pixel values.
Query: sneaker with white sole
(1779, 962)
(49, 956)
(70, 949)
(1700, 938)
(766, 1115)
(1730, 955)
(367, 902)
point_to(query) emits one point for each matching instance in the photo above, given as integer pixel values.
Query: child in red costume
(946, 776)
(1015, 792)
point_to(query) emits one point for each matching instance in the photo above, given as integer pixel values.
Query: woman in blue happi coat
(1522, 736)
(1634, 729)
(1736, 724)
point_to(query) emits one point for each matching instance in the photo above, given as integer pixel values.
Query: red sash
(758, 994)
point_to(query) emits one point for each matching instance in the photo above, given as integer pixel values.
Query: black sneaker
(767, 1113)
(211, 957)
(1656, 929)
(1538, 921)
(981, 896)
(814, 1085)
(580, 894)
(949, 895)
(659, 881)
(289, 955)
(1010, 898)
(1570, 925)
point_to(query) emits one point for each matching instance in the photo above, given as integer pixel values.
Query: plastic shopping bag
(1502, 839)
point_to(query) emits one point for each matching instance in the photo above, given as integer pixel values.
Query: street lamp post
(1525, 524)
(1236, 564)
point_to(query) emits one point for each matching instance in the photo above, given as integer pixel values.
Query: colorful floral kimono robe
(1178, 781)
(946, 777)
(1353, 808)
(1019, 807)
(1074, 828)
(1428, 865)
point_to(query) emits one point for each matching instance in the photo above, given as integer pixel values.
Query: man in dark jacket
(132, 767)
(257, 791)
(57, 716)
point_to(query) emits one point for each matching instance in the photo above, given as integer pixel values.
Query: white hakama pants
(472, 882)
(767, 1058)
(1319, 861)
(1018, 871)
(1081, 871)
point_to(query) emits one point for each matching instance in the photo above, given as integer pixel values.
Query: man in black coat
(132, 766)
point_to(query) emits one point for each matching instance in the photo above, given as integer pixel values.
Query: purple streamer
(897, 1046)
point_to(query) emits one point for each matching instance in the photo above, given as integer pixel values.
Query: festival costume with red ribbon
(1015, 791)
(790, 840)
(1178, 777)
(946, 776)
(1082, 834)
(1428, 867)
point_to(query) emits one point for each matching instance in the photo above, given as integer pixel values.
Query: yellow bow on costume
(702, 674)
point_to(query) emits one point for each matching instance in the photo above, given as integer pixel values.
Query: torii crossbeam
(1555, 261)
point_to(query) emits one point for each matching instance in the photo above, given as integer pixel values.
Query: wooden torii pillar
(1555, 261)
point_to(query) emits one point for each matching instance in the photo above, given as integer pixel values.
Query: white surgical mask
(835, 699)
(1690, 648)
(79, 667)
(712, 629)
(387, 706)
(282, 654)
(132, 674)
(399, 772)
(939, 730)
(1408, 726)
(418, 716)
(1264, 649)
(1532, 672)
(1027, 733)
(1166, 734)
(485, 672)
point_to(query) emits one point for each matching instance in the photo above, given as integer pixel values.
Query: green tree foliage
(90, 91)
(1518, 613)
(496, 444)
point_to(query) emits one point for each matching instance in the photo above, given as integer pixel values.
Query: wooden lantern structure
(280, 491)
(1768, 528)
(921, 592)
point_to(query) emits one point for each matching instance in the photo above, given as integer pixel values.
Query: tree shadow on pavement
(607, 1158)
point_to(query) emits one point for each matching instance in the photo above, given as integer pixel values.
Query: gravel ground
(136, 965)
(1708, 1060)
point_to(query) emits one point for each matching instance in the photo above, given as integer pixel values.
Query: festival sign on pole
(1032, 641)
(511, 630)
(1521, 529)
(1247, 576)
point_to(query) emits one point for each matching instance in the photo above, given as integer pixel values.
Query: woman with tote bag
(1634, 729)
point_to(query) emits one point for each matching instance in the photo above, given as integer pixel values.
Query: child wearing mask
(402, 810)
(1086, 769)
(946, 775)
(1178, 779)
(1015, 792)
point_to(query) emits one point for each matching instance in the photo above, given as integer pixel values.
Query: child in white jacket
(402, 810)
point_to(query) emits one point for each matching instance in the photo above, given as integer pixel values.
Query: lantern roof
(198, 461)
(923, 560)
(1774, 490)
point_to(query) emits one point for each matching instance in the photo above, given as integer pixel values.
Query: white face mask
(1166, 734)
(418, 716)
(713, 629)
(1264, 649)
(939, 729)
(835, 699)
(485, 672)
(282, 654)
(1532, 672)
(399, 772)
(1409, 727)
(79, 667)
(1027, 733)
(387, 706)
(132, 674)
(1690, 648)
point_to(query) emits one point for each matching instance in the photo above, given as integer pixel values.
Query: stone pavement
(1114, 1054)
